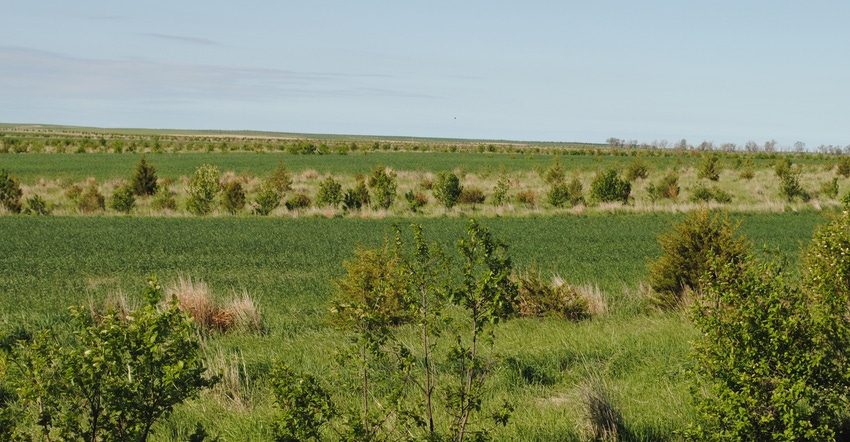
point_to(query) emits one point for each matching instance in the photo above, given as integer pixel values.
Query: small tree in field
(757, 360)
(203, 188)
(771, 359)
(330, 192)
(123, 199)
(608, 186)
(447, 189)
(144, 179)
(383, 185)
(268, 199)
(123, 372)
(686, 251)
(233, 197)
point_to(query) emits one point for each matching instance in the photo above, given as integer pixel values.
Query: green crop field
(50, 263)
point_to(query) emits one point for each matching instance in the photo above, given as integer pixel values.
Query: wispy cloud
(183, 39)
(27, 73)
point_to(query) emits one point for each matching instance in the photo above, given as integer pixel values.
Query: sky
(720, 71)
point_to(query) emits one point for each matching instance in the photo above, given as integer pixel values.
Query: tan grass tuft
(245, 313)
(194, 298)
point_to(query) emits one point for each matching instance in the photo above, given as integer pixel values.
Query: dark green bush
(383, 185)
(608, 186)
(356, 198)
(10, 192)
(233, 197)
(558, 195)
(330, 192)
(38, 206)
(790, 187)
(686, 250)
(268, 199)
(297, 201)
(144, 179)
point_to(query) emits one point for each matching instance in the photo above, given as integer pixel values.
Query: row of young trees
(206, 191)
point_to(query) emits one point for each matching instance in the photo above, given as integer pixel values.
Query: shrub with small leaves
(790, 187)
(38, 206)
(268, 199)
(500, 191)
(415, 200)
(709, 169)
(685, 253)
(574, 190)
(471, 195)
(297, 201)
(667, 187)
(559, 195)
(637, 170)
(608, 186)
(164, 199)
(123, 199)
(10, 192)
(747, 174)
(782, 167)
(447, 189)
(356, 198)
(555, 174)
(233, 197)
(91, 200)
(280, 179)
(383, 185)
(330, 192)
(203, 188)
(527, 198)
(304, 405)
(537, 298)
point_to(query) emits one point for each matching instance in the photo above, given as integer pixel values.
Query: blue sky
(723, 71)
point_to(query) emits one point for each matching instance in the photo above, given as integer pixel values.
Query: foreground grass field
(287, 265)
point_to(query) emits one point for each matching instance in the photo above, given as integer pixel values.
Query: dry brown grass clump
(195, 298)
(538, 298)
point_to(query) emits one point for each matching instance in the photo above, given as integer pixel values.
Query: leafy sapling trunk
(487, 293)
